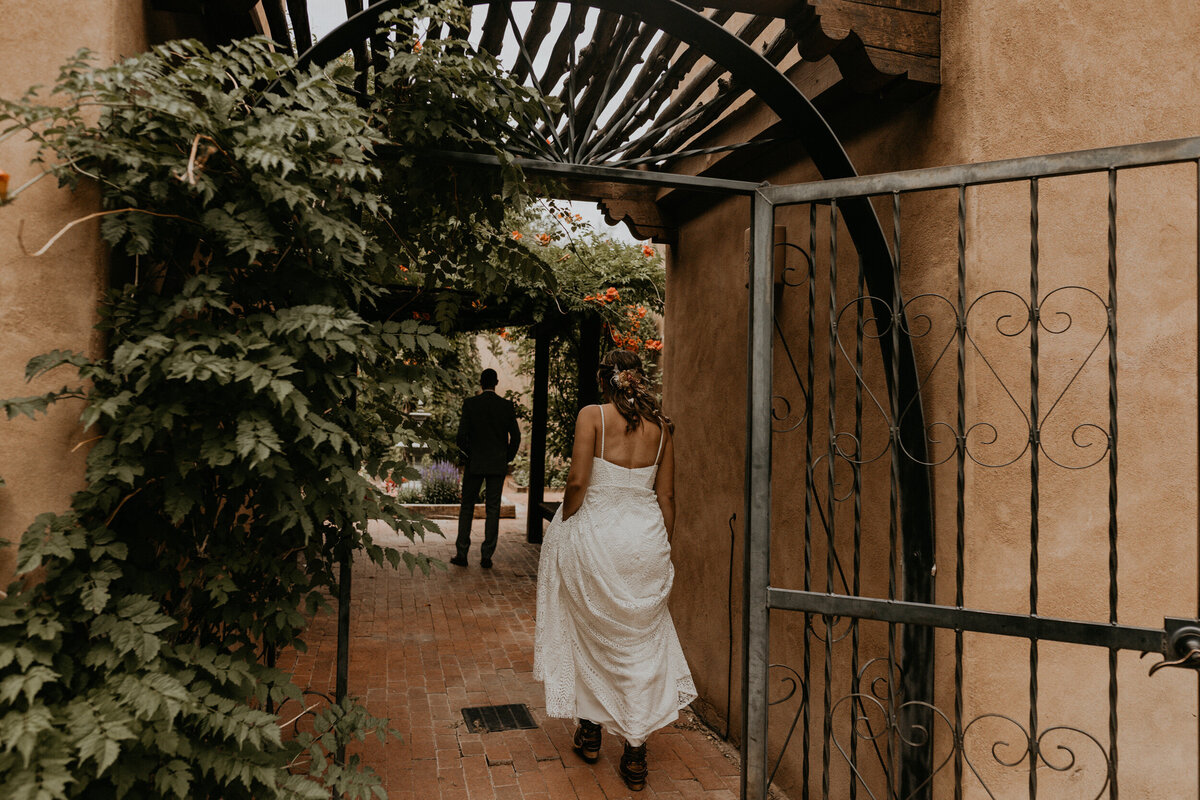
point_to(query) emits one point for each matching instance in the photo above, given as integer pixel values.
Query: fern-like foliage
(253, 233)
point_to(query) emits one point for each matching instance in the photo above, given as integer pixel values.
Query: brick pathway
(422, 649)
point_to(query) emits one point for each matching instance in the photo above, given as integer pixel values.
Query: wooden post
(591, 328)
(537, 433)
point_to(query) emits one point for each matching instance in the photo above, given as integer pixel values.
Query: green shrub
(228, 478)
(409, 493)
(556, 471)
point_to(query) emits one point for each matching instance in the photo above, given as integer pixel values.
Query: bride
(605, 645)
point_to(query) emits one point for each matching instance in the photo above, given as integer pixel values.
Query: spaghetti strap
(662, 438)
(601, 407)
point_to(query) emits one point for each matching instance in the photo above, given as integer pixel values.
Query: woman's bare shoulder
(588, 414)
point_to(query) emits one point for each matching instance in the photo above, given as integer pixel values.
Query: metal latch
(1182, 638)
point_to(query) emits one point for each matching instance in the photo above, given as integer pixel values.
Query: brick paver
(422, 649)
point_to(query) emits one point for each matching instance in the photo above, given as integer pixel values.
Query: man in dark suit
(488, 437)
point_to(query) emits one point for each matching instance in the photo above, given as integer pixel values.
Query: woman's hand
(664, 484)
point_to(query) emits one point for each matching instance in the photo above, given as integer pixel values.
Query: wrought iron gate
(1064, 550)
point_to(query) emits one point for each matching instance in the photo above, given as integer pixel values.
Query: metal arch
(747, 68)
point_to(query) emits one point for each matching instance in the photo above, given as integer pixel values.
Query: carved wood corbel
(641, 216)
(872, 43)
(635, 206)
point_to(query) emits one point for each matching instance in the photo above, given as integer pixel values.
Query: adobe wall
(1018, 79)
(50, 301)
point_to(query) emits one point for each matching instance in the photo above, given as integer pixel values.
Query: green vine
(255, 238)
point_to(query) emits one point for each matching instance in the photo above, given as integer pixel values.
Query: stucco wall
(1018, 79)
(48, 302)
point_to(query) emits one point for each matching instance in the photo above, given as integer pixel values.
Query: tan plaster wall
(1018, 79)
(704, 392)
(48, 302)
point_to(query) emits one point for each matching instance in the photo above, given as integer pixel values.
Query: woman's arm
(664, 484)
(586, 425)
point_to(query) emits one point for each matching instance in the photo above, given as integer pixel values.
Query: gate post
(756, 560)
(537, 433)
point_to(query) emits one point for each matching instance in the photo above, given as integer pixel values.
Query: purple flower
(441, 483)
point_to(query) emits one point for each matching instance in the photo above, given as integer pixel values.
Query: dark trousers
(471, 484)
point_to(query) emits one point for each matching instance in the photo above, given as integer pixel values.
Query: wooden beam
(591, 333)
(494, 25)
(381, 49)
(557, 66)
(782, 9)
(878, 26)
(919, 69)
(531, 39)
(633, 55)
(537, 434)
(683, 99)
(277, 27)
(923, 6)
(298, 12)
(359, 50)
(664, 68)
(641, 216)
(596, 64)
(872, 44)
(727, 95)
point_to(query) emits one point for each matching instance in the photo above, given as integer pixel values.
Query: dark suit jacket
(488, 434)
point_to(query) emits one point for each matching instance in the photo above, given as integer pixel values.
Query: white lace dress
(605, 645)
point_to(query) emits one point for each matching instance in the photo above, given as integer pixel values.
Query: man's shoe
(486, 563)
(587, 741)
(459, 561)
(633, 767)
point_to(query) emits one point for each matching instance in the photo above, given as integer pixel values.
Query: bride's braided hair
(623, 381)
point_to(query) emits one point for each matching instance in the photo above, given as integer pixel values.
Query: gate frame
(1179, 639)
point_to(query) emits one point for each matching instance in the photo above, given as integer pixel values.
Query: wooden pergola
(634, 97)
(547, 322)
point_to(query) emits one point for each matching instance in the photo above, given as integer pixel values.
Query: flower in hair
(626, 379)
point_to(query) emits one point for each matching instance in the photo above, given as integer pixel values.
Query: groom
(488, 437)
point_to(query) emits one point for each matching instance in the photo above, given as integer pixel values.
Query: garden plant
(257, 232)
(621, 285)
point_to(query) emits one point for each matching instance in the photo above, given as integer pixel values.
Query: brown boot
(587, 741)
(633, 767)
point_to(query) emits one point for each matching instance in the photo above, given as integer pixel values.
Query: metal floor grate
(489, 719)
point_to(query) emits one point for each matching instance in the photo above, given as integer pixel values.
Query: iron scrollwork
(795, 684)
(781, 407)
(989, 744)
(1035, 752)
(933, 315)
(979, 440)
(886, 727)
(889, 726)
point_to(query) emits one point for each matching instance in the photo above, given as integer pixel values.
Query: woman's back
(632, 450)
(605, 645)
